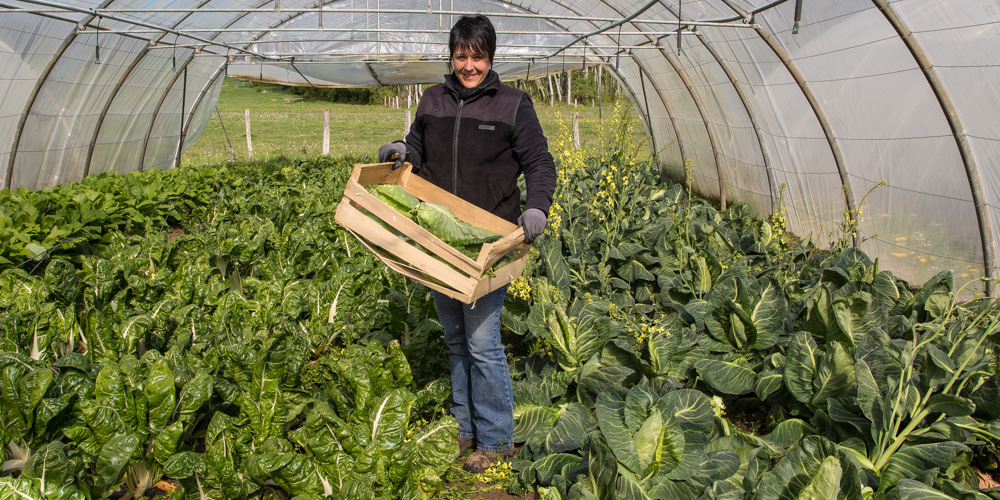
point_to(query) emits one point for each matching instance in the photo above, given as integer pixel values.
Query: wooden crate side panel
(359, 224)
(492, 252)
(376, 173)
(415, 275)
(501, 277)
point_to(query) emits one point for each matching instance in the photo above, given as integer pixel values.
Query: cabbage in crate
(439, 220)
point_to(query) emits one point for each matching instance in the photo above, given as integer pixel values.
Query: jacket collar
(492, 81)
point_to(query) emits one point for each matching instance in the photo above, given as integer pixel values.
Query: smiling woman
(474, 137)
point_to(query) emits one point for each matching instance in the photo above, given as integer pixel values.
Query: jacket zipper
(454, 149)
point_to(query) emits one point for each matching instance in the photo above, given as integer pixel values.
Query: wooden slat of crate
(360, 196)
(419, 277)
(371, 173)
(372, 232)
(492, 252)
(504, 275)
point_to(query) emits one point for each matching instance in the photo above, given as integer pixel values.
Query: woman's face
(470, 66)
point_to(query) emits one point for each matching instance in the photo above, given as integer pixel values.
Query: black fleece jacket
(476, 142)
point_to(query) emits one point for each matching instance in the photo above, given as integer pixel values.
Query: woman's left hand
(533, 220)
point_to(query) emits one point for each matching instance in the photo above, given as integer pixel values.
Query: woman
(474, 137)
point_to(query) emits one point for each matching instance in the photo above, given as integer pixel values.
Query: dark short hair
(475, 33)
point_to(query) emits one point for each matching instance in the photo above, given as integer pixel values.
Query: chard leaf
(160, 395)
(115, 456)
(195, 393)
(166, 441)
(109, 385)
(292, 472)
(31, 389)
(16, 488)
(220, 453)
(184, 464)
(53, 469)
(390, 417)
(427, 457)
(51, 408)
(322, 434)
(104, 420)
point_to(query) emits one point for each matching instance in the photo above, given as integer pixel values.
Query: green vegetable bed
(214, 333)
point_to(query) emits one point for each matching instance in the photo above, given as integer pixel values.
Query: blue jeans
(481, 391)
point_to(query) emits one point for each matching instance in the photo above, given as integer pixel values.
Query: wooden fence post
(406, 124)
(569, 87)
(576, 130)
(246, 116)
(326, 132)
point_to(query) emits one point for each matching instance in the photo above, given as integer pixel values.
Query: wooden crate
(455, 274)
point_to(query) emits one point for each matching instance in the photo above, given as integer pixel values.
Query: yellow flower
(501, 472)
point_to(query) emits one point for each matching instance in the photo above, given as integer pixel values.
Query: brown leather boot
(480, 460)
(465, 444)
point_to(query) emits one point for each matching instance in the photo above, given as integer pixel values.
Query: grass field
(282, 123)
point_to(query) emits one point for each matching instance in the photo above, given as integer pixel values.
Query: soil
(462, 484)
(485, 491)
(751, 420)
(175, 232)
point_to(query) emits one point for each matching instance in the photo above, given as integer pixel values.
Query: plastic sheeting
(866, 91)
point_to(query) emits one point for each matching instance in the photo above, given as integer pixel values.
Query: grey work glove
(395, 152)
(533, 221)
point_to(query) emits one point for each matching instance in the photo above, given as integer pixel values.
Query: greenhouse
(813, 243)
(814, 104)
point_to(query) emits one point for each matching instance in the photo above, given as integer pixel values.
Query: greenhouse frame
(883, 112)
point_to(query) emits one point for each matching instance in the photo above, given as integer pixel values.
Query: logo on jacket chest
(487, 127)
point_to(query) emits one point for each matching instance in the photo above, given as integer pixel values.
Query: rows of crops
(211, 331)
